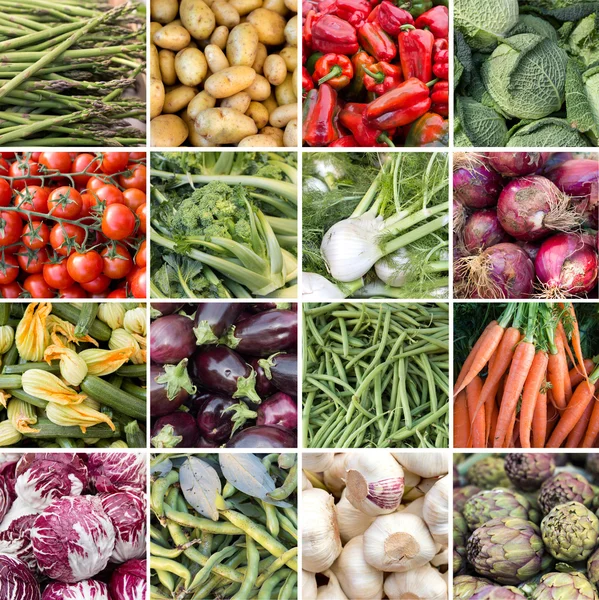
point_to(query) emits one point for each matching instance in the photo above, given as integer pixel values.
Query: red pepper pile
(375, 74)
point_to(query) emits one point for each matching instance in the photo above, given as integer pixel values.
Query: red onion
(566, 266)
(577, 177)
(531, 249)
(483, 230)
(516, 164)
(476, 185)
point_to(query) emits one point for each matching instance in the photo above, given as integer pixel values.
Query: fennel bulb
(317, 287)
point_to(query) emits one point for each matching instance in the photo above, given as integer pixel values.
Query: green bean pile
(375, 375)
(246, 551)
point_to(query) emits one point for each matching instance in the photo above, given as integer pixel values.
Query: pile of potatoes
(223, 72)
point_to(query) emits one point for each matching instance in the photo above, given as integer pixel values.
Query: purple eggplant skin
(212, 320)
(215, 425)
(172, 339)
(166, 308)
(265, 333)
(280, 409)
(264, 385)
(183, 424)
(265, 436)
(202, 443)
(284, 373)
(159, 402)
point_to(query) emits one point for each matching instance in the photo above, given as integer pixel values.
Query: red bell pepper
(347, 141)
(390, 17)
(307, 83)
(351, 117)
(332, 34)
(352, 11)
(430, 129)
(376, 42)
(382, 77)
(400, 106)
(320, 111)
(359, 60)
(436, 20)
(416, 53)
(309, 21)
(334, 69)
(441, 63)
(440, 98)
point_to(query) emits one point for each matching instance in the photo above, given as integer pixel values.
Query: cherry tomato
(35, 235)
(11, 290)
(74, 291)
(11, 155)
(138, 284)
(118, 293)
(9, 271)
(84, 163)
(6, 193)
(56, 161)
(137, 178)
(96, 182)
(37, 286)
(85, 266)
(65, 203)
(141, 257)
(64, 238)
(117, 263)
(98, 285)
(24, 168)
(141, 215)
(33, 198)
(56, 275)
(137, 156)
(30, 261)
(10, 228)
(108, 194)
(35, 156)
(114, 162)
(133, 198)
(4, 167)
(118, 222)
(86, 210)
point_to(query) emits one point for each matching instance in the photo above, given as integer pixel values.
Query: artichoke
(460, 537)
(465, 586)
(492, 592)
(461, 495)
(564, 586)
(488, 473)
(456, 477)
(459, 562)
(528, 471)
(508, 550)
(593, 567)
(497, 503)
(565, 487)
(570, 532)
(592, 465)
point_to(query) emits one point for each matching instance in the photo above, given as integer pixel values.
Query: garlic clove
(308, 584)
(441, 558)
(352, 522)
(317, 462)
(331, 591)
(415, 508)
(411, 480)
(306, 485)
(422, 583)
(435, 510)
(334, 477)
(425, 464)
(321, 543)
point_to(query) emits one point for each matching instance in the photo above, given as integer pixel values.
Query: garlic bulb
(393, 268)
(350, 248)
(317, 287)
(423, 583)
(317, 462)
(306, 485)
(425, 464)
(321, 544)
(331, 591)
(410, 480)
(441, 558)
(415, 508)
(308, 584)
(423, 487)
(334, 477)
(398, 542)
(358, 579)
(352, 522)
(374, 481)
(436, 510)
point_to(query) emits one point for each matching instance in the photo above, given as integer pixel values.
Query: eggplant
(172, 339)
(265, 436)
(264, 306)
(213, 319)
(264, 385)
(179, 429)
(220, 369)
(281, 369)
(161, 309)
(280, 409)
(214, 424)
(173, 389)
(265, 333)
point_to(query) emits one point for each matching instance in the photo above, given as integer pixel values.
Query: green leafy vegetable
(482, 22)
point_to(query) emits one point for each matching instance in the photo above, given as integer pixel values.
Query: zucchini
(50, 431)
(23, 395)
(11, 356)
(20, 368)
(108, 395)
(97, 329)
(87, 316)
(10, 382)
(134, 390)
(133, 371)
(5, 312)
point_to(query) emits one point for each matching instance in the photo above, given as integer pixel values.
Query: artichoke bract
(497, 503)
(593, 567)
(465, 586)
(564, 586)
(461, 532)
(570, 532)
(592, 465)
(492, 592)
(508, 550)
(461, 495)
(488, 473)
(565, 487)
(528, 471)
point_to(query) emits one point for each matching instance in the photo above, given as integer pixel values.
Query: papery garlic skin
(398, 542)
(441, 558)
(358, 579)
(331, 591)
(317, 462)
(436, 510)
(334, 477)
(415, 508)
(351, 521)
(375, 482)
(321, 543)
(425, 464)
(422, 583)
(309, 586)
(306, 485)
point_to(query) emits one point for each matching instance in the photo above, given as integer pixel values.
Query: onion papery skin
(477, 185)
(483, 230)
(517, 164)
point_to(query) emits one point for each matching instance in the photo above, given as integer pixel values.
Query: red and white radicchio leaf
(16, 541)
(84, 590)
(115, 471)
(127, 511)
(128, 582)
(6, 497)
(16, 580)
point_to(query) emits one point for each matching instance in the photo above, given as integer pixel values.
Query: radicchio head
(128, 582)
(16, 581)
(127, 511)
(16, 541)
(115, 471)
(84, 590)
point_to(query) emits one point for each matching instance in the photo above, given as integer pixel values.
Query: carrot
(576, 376)
(461, 422)
(477, 417)
(575, 437)
(562, 333)
(539, 431)
(561, 347)
(576, 343)
(552, 414)
(557, 375)
(494, 413)
(509, 437)
(470, 358)
(532, 387)
(593, 428)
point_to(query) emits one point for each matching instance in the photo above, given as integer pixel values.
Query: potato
(291, 5)
(290, 134)
(154, 27)
(178, 98)
(291, 31)
(285, 93)
(240, 101)
(261, 56)
(217, 61)
(269, 25)
(164, 11)
(200, 102)
(258, 113)
(275, 69)
(259, 90)
(225, 14)
(245, 7)
(260, 140)
(197, 18)
(270, 103)
(294, 77)
(172, 37)
(154, 63)
(281, 115)
(277, 6)
(224, 126)
(219, 37)
(168, 131)
(191, 66)
(157, 95)
(242, 45)
(289, 55)
(167, 66)
(194, 138)
(274, 132)
(229, 81)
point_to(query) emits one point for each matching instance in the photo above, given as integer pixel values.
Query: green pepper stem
(378, 77)
(335, 71)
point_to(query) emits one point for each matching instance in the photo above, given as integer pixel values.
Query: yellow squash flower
(57, 325)
(8, 434)
(47, 386)
(112, 313)
(22, 415)
(7, 337)
(4, 396)
(32, 337)
(135, 321)
(82, 415)
(104, 362)
(72, 367)
(121, 338)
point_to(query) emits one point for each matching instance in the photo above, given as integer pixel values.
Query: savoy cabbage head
(526, 76)
(482, 22)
